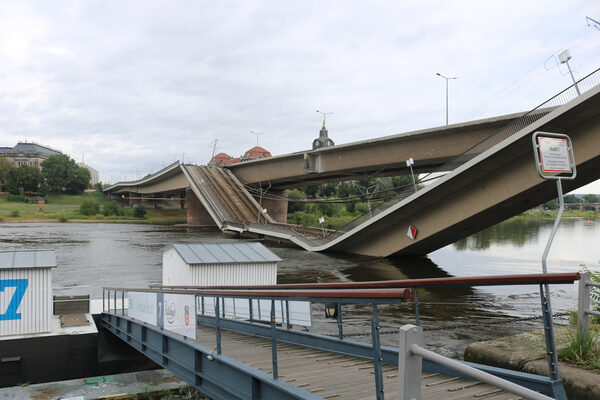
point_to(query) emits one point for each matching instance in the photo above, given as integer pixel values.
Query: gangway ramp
(235, 357)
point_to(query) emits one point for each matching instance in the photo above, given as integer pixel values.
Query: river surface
(130, 256)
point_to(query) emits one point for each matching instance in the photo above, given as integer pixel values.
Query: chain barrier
(457, 326)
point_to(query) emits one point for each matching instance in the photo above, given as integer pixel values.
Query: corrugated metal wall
(36, 304)
(234, 274)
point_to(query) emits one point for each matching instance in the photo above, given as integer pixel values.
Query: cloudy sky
(134, 85)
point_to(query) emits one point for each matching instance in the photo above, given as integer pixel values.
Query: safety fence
(276, 312)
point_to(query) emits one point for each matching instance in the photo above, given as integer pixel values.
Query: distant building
(30, 154)
(254, 153)
(94, 177)
(322, 140)
(222, 159)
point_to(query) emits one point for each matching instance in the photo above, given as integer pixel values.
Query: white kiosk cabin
(26, 291)
(219, 264)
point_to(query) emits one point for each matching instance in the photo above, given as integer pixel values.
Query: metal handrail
(519, 279)
(333, 295)
(410, 347)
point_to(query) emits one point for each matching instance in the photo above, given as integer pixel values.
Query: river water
(130, 256)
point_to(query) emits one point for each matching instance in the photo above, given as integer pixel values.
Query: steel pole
(447, 79)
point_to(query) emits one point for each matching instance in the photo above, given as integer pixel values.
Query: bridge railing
(570, 93)
(411, 353)
(337, 298)
(584, 308)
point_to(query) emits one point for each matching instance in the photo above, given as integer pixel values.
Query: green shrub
(110, 208)
(14, 213)
(139, 211)
(62, 218)
(17, 198)
(296, 206)
(89, 207)
(362, 208)
(1, 219)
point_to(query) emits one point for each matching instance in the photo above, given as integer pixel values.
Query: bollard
(409, 364)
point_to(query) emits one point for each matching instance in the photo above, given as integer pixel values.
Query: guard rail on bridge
(220, 375)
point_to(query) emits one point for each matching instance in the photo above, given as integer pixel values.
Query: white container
(219, 264)
(26, 291)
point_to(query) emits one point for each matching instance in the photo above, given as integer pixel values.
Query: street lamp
(257, 133)
(564, 58)
(324, 115)
(447, 79)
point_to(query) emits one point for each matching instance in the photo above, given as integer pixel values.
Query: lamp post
(257, 133)
(324, 115)
(447, 79)
(564, 58)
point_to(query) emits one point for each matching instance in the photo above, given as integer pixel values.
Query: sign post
(554, 159)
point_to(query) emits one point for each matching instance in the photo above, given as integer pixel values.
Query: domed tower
(322, 140)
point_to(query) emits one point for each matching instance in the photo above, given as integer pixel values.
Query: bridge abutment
(196, 213)
(276, 208)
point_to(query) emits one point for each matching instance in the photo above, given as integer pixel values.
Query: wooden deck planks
(333, 376)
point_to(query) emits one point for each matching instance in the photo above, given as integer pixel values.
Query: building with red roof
(254, 153)
(223, 159)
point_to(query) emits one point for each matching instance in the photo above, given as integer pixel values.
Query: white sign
(180, 314)
(554, 155)
(321, 220)
(142, 306)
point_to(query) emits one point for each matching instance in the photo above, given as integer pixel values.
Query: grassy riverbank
(66, 208)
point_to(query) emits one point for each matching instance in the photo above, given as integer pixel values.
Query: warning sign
(554, 155)
(412, 232)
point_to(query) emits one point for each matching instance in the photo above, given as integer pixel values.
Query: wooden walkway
(333, 376)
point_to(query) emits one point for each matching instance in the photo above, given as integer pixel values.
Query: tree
(296, 206)
(23, 179)
(5, 168)
(329, 190)
(402, 182)
(570, 199)
(139, 211)
(63, 175)
(311, 191)
(89, 207)
(591, 198)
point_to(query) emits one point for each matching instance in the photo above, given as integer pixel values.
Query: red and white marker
(412, 232)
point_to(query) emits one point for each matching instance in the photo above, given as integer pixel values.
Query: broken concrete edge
(526, 352)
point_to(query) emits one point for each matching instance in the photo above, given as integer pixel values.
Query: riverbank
(66, 208)
(526, 352)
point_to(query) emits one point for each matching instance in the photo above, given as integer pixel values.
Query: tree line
(59, 174)
(589, 198)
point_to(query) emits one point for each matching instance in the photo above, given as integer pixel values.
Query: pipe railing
(257, 326)
(411, 353)
(334, 295)
(584, 309)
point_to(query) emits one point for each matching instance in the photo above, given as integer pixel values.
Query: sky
(130, 87)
